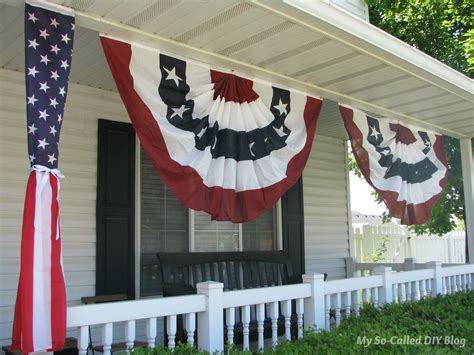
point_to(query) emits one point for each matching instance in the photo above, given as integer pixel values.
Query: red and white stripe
(40, 311)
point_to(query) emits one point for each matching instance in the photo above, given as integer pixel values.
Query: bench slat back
(236, 270)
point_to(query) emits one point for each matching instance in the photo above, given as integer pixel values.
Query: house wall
(324, 188)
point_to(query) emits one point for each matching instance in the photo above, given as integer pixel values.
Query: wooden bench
(181, 272)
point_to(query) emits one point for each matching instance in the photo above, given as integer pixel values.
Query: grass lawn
(441, 325)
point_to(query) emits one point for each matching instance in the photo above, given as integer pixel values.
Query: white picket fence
(317, 302)
(401, 244)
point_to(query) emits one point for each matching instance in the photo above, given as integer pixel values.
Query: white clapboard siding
(326, 208)
(78, 162)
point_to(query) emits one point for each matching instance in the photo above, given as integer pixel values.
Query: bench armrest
(173, 289)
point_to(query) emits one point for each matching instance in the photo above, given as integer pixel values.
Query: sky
(361, 199)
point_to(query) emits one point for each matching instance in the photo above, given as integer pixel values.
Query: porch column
(468, 179)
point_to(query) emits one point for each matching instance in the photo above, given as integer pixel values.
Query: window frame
(278, 238)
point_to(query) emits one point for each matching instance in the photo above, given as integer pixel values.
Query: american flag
(40, 310)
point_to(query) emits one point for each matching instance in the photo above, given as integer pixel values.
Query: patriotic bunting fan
(406, 165)
(223, 144)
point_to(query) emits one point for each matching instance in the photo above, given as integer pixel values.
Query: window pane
(260, 234)
(212, 235)
(164, 226)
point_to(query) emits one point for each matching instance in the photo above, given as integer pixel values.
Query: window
(166, 225)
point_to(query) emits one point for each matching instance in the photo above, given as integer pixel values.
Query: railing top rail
(352, 284)
(102, 313)
(370, 266)
(410, 276)
(457, 270)
(265, 295)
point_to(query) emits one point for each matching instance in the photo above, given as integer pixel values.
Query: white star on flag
(53, 102)
(281, 107)
(62, 91)
(65, 38)
(64, 64)
(44, 86)
(42, 143)
(280, 131)
(374, 133)
(54, 75)
(32, 17)
(32, 129)
(55, 49)
(60, 118)
(51, 159)
(32, 72)
(43, 114)
(32, 158)
(52, 130)
(54, 22)
(44, 59)
(44, 33)
(172, 76)
(32, 100)
(33, 44)
(179, 111)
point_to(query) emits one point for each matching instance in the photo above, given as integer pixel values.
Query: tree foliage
(444, 30)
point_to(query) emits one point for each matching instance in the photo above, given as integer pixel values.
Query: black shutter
(115, 209)
(293, 226)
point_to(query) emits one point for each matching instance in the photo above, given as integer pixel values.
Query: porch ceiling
(354, 63)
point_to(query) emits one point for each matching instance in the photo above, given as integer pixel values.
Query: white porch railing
(316, 302)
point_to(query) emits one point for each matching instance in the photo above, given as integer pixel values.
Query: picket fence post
(386, 291)
(409, 264)
(314, 306)
(211, 321)
(437, 283)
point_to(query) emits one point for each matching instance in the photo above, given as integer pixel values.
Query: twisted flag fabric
(40, 310)
(223, 144)
(406, 165)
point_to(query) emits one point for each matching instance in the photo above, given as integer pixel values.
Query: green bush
(441, 325)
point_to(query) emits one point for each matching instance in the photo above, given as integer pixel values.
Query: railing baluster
(416, 291)
(327, 312)
(130, 335)
(469, 282)
(401, 292)
(394, 293)
(357, 303)
(428, 287)
(151, 331)
(454, 285)
(408, 290)
(274, 316)
(245, 326)
(447, 285)
(338, 309)
(260, 329)
(422, 288)
(348, 303)
(190, 326)
(107, 336)
(230, 321)
(286, 310)
(299, 316)
(83, 340)
(366, 295)
(171, 331)
(376, 296)
(463, 282)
